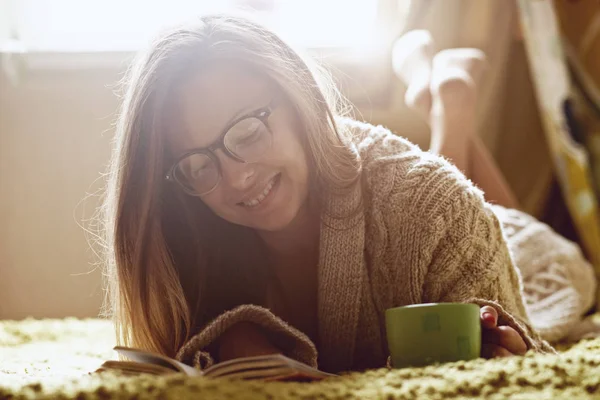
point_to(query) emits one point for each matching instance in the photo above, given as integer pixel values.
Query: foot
(455, 78)
(412, 58)
(442, 88)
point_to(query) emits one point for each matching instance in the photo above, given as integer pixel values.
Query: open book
(271, 367)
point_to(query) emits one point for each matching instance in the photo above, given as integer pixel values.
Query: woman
(245, 216)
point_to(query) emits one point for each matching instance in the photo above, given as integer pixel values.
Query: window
(124, 25)
(354, 37)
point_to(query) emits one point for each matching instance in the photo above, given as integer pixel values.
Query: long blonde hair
(172, 265)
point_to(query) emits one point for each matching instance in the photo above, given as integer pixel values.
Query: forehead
(211, 98)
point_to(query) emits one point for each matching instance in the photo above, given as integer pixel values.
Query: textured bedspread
(52, 358)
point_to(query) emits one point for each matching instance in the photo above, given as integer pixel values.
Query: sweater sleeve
(199, 350)
(471, 263)
(435, 237)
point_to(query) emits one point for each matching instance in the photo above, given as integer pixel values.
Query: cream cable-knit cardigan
(424, 234)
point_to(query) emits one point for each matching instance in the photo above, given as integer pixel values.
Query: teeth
(262, 196)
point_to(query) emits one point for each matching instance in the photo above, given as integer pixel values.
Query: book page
(147, 357)
(134, 367)
(270, 367)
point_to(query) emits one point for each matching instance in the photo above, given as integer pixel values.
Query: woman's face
(266, 194)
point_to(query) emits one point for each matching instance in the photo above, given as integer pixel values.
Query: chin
(276, 221)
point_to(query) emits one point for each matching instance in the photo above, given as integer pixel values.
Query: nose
(237, 175)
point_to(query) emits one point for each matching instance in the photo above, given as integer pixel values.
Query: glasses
(245, 140)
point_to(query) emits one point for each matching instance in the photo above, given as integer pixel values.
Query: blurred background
(61, 60)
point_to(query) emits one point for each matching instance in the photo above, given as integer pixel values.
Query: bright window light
(125, 25)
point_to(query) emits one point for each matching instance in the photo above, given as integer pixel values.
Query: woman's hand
(499, 341)
(244, 339)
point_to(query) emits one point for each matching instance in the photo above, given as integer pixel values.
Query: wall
(55, 131)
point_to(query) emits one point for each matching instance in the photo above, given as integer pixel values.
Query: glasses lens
(197, 173)
(248, 140)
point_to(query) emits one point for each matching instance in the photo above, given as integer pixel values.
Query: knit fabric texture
(559, 283)
(51, 359)
(422, 234)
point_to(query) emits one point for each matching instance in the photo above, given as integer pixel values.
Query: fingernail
(488, 315)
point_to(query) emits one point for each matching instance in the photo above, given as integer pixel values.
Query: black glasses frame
(261, 114)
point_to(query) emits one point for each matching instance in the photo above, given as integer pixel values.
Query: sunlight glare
(124, 25)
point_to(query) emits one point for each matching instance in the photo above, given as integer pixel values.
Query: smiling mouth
(255, 202)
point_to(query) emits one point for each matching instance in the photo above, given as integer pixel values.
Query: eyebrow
(243, 112)
(238, 116)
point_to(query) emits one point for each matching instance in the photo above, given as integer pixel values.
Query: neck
(299, 237)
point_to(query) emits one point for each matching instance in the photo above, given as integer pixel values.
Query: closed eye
(250, 136)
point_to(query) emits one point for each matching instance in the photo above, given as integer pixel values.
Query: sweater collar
(341, 272)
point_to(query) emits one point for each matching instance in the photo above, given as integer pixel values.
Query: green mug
(424, 334)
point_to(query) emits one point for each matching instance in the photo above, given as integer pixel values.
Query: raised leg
(443, 89)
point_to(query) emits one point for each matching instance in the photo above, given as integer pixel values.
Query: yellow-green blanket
(52, 358)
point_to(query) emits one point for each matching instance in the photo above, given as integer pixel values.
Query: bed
(53, 358)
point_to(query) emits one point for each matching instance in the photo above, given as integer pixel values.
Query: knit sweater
(424, 234)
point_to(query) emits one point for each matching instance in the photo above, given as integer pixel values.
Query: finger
(506, 337)
(489, 317)
(490, 350)
(491, 335)
(511, 340)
